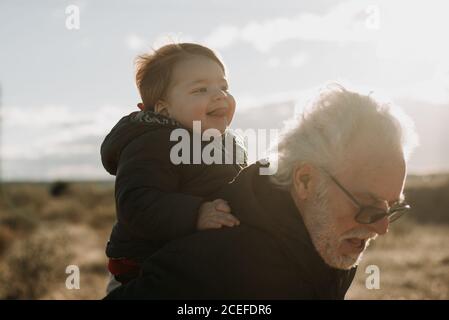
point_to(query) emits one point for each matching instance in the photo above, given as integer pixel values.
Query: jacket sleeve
(148, 200)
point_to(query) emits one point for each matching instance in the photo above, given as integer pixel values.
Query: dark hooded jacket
(156, 200)
(269, 256)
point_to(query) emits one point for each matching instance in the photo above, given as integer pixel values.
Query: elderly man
(339, 180)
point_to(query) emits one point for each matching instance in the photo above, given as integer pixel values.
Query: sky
(63, 88)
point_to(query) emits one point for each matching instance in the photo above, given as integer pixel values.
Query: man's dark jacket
(269, 256)
(156, 200)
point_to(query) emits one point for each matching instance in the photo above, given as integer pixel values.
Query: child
(156, 200)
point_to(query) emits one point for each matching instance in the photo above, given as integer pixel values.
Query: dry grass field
(40, 235)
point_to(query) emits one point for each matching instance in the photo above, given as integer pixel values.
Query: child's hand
(214, 215)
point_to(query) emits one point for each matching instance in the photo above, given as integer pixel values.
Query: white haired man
(340, 175)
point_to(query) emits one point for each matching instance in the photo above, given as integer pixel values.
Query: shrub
(33, 264)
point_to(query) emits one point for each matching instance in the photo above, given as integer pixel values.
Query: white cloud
(31, 133)
(273, 62)
(221, 37)
(434, 89)
(412, 30)
(295, 61)
(53, 142)
(249, 101)
(298, 60)
(344, 22)
(39, 117)
(405, 35)
(134, 42)
(171, 37)
(391, 25)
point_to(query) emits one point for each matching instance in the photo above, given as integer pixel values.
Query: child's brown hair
(154, 70)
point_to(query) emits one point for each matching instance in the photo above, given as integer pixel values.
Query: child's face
(199, 92)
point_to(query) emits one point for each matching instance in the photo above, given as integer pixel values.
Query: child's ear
(161, 107)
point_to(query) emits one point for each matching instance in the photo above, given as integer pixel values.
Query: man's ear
(302, 177)
(161, 107)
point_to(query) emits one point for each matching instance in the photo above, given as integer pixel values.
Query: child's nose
(219, 94)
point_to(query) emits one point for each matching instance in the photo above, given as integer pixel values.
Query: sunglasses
(371, 214)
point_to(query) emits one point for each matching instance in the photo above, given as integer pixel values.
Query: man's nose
(381, 226)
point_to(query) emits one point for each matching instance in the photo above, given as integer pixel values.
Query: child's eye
(200, 90)
(225, 88)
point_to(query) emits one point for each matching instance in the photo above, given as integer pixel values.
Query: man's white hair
(325, 129)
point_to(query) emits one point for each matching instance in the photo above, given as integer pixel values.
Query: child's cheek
(198, 114)
(231, 109)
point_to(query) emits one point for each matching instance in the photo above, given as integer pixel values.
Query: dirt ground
(41, 235)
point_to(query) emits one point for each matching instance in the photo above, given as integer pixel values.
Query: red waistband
(123, 266)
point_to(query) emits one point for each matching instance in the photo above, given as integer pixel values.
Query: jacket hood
(126, 130)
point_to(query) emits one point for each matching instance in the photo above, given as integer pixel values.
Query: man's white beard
(323, 232)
